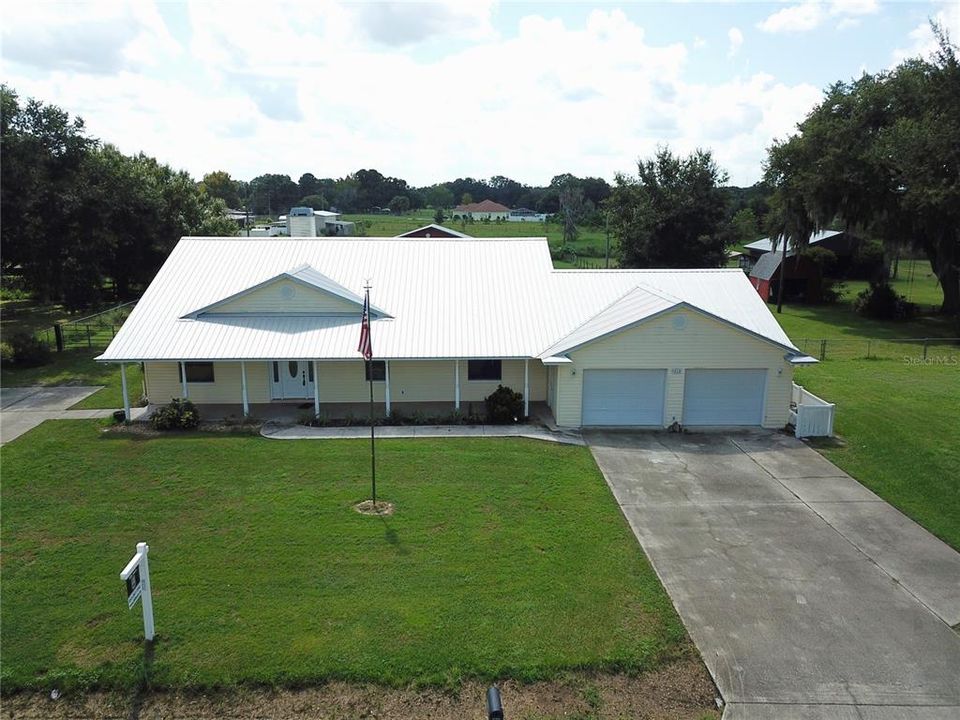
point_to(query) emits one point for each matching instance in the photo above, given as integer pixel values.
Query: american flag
(365, 347)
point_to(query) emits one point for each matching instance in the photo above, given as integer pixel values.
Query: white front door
(292, 379)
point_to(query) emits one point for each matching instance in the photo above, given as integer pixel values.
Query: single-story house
(248, 321)
(485, 210)
(434, 231)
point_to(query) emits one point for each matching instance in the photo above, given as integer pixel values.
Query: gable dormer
(302, 291)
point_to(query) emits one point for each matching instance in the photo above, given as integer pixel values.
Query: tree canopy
(672, 213)
(77, 213)
(881, 154)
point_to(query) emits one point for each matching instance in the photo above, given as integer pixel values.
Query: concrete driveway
(807, 595)
(23, 408)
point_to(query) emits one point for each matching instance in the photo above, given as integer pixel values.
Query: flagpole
(373, 448)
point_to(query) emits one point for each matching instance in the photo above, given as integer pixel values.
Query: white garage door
(723, 397)
(623, 397)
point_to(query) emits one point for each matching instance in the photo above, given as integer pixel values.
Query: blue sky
(433, 91)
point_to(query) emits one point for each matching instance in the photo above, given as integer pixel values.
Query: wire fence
(929, 350)
(93, 331)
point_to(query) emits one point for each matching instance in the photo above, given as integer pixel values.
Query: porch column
(386, 377)
(243, 386)
(183, 379)
(316, 389)
(456, 382)
(526, 387)
(126, 395)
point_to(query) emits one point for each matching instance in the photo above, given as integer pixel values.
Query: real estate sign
(136, 575)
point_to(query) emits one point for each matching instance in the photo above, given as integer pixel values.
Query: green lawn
(901, 426)
(898, 416)
(77, 367)
(590, 244)
(506, 558)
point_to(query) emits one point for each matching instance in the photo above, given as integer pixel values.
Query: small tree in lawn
(439, 217)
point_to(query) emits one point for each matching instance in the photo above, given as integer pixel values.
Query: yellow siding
(511, 376)
(270, 299)
(163, 383)
(702, 343)
(345, 381)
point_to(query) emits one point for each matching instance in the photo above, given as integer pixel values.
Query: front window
(484, 370)
(197, 372)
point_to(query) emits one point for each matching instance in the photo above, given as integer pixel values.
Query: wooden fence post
(58, 335)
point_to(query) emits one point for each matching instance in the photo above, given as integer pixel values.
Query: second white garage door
(623, 397)
(723, 397)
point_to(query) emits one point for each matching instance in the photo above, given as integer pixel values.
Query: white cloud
(406, 23)
(921, 39)
(736, 40)
(810, 14)
(312, 88)
(796, 18)
(99, 37)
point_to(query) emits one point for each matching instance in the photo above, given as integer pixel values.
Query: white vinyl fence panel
(812, 416)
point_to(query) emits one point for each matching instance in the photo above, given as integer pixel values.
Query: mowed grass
(77, 367)
(505, 558)
(901, 425)
(590, 243)
(899, 417)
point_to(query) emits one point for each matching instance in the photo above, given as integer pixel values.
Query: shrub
(6, 353)
(833, 291)
(504, 406)
(177, 415)
(881, 302)
(27, 350)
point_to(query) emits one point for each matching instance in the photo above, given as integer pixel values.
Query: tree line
(879, 156)
(368, 190)
(82, 222)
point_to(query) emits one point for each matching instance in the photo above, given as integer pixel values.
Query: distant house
(526, 215)
(486, 210)
(433, 231)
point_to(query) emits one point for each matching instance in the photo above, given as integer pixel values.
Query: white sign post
(137, 577)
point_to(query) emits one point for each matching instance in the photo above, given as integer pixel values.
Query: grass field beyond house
(505, 558)
(898, 416)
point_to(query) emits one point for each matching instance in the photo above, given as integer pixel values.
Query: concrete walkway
(285, 431)
(807, 595)
(23, 408)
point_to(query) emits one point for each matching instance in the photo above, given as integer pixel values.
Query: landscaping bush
(504, 406)
(177, 415)
(27, 350)
(881, 302)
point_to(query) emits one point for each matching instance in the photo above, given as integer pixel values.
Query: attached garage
(724, 397)
(623, 397)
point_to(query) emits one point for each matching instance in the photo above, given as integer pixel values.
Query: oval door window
(293, 367)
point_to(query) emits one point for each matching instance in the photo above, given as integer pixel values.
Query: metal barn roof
(766, 244)
(478, 298)
(767, 265)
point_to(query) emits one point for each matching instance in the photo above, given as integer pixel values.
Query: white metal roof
(478, 298)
